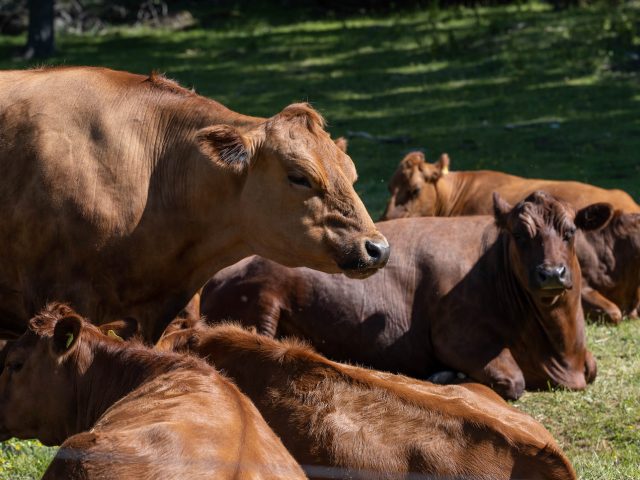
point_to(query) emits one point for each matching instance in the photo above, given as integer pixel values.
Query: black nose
(556, 276)
(378, 251)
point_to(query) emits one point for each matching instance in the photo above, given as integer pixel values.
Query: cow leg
(502, 374)
(636, 305)
(595, 304)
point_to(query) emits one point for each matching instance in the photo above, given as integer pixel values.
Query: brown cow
(499, 303)
(610, 261)
(122, 194)
(341, 421)
(421, 189)
(126, 412)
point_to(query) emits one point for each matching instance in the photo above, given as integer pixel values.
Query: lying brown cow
(346, 422)
(610, 260)
(497, 298)
(122, 194)
(127, 412)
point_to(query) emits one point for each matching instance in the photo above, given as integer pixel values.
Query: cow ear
(443, 164)
(594, 217)
(65, 334)
(120, 329)
(341, 143)
(227, 147)
(501, 210)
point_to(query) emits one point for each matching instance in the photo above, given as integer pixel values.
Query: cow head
(297, 204)
(542, 256)
(37, 385)
(413, 186)
(542, 247)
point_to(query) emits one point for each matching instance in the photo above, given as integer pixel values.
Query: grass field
(521, 89)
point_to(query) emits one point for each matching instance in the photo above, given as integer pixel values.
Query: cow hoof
(444, 377)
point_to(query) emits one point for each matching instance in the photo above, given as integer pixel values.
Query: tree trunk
(40, 41)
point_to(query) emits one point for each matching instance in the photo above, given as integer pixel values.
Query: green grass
(599, 429)
(449, 80)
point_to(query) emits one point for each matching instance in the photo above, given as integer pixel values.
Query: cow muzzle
(553, 279)
(370, 256)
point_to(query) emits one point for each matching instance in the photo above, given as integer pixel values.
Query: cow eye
(14, 367)
(568, 235)
(519, 237)
(299, 180)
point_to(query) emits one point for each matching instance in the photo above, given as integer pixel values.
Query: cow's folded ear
(227, 147)
(341, 143)
(122, 329)
(594, 216)
(66, 334)
(501, 210)
(443, 164)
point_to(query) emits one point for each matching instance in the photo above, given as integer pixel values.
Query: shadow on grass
(449, 80)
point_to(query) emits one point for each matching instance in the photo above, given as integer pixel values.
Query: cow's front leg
(502, 374)
(596, 304)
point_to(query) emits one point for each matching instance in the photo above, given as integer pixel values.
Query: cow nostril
(378, 251)
(562, 272)
(542, 275)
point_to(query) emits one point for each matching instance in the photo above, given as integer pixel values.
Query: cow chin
(360, 274)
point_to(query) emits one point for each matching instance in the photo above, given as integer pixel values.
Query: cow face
(37, 383)
(542, 247)
(413, 186)
(298, 203)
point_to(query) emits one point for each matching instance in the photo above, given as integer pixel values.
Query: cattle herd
(150, 332)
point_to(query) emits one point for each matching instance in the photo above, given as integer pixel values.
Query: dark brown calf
(499, 303)
(610, 260)
(123, 411)
(347, 422)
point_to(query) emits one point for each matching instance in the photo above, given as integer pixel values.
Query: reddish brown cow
(497, 298)
(347, 422)
(610, 260)
(610, 263)
(126, 412)
(122, 194)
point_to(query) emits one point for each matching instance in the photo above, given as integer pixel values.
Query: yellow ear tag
(69, 340)
(114, 335)
(445, 170)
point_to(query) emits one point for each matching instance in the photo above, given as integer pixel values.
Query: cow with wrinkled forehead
(611, 284)
(123, 411)
(495, 297)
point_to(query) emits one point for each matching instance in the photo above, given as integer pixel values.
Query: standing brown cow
(347, 422)
(122, 194)
(610, 259)
(125, 412)
(497, 298)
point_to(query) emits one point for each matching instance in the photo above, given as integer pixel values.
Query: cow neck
(114, 372)
(520, 307)
(181, 180)
(449, 192)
